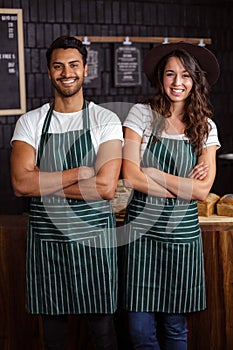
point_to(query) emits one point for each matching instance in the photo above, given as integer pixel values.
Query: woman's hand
(199, 172)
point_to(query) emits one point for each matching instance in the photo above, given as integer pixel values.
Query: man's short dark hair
(67, 42)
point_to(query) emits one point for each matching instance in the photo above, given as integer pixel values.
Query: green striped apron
(163, 262)
(71, 254)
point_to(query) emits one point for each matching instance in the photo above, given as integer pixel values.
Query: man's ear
(49, 75)
(86, 70)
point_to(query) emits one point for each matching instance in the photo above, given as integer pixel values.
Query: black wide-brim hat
(206, 59)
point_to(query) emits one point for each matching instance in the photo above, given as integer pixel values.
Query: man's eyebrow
(57, 62)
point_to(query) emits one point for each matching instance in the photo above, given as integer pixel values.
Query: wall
(45, 20)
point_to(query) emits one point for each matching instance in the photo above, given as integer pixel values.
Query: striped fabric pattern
(71, 252)
(71, 261)
(163, 262)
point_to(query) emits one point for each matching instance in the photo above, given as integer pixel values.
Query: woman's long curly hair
(197, 106)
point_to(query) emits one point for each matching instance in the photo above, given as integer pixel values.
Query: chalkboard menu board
(127, 65)
(93, 60)
(12, 87)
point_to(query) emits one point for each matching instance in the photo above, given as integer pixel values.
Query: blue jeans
(171, 329)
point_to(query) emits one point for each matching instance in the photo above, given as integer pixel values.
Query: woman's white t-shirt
(140, 118)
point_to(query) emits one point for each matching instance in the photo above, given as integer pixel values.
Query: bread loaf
(208, 206)
(225, 205)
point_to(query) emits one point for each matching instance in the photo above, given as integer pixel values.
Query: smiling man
(66, 156)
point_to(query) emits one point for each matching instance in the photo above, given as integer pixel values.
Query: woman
(169, 161)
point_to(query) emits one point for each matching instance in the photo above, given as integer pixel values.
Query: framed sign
(93, 60)
(12, 88)
(127, 65)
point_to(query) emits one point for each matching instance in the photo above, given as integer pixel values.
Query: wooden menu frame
(13, 99)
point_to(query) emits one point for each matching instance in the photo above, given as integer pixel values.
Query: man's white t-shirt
(104, 125)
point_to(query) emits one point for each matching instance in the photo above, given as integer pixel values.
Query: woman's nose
(178, 79)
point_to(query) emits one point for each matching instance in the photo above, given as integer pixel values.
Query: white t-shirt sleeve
(138, 119)
(29, 126)
(111, 129)
(213, 136)
(24, 131)
(105, 125)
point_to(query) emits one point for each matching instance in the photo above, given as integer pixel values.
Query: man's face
(67, 71)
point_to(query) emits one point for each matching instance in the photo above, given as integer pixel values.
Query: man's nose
(66, 71)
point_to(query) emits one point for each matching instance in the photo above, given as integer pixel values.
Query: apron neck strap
(48, 119)
(85, 116)
(86, 126)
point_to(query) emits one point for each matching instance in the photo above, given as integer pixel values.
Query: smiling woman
(169, 162)
(177, 81)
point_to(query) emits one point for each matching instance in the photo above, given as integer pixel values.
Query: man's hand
(85, 172)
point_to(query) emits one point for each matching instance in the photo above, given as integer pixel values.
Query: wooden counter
(211, 329)
(18, 330)
(216, 221)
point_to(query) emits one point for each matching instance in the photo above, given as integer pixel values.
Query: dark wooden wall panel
(45, 20)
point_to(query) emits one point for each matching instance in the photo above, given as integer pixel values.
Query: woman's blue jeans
(147, 327)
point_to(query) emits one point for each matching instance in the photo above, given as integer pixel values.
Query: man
(66, 156)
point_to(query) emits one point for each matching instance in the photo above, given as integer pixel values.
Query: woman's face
(176, 80)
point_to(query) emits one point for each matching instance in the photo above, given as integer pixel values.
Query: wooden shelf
(141, 39)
